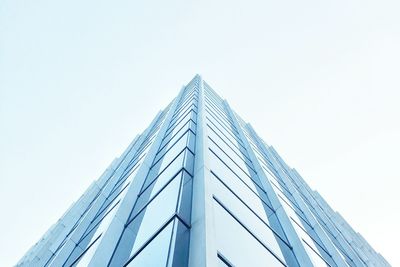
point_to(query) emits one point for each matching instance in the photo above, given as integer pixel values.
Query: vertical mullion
(202, 248)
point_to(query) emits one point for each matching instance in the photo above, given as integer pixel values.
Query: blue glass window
(221, 169)
(177, 133)
(257, 224)
(176, 126)
(156, 252)
(177, 146)
(174, 167)
(236, 246)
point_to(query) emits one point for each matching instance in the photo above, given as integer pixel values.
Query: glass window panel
(268, 165)
(176, 134)
(184, 101)
(183, 121)
(221, 263)
(156, 252)
(173, 148)
(168, 172)
(171, 155)
(272, 173)
(188, 95)
(228, 148)
(216, 101)
(245, 194)
(181, 112)
(219, 112)
(223, 170)
(182, 117)
(255, 223)
(241, 248)
(229, 127)
(222, 117)
(223, 132)
(183, 107)
(211, 92)
(164, 200)
(152, 190)
(232, 157)
(232, 165)
(154, 215)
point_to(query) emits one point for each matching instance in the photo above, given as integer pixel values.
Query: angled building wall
(199, 187)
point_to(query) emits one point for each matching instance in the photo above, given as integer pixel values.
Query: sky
(318, 80)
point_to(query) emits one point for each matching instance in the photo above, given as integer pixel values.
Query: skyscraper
(199, 187)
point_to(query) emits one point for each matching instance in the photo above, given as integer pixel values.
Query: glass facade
(199, 187)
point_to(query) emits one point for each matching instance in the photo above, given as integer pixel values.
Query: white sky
(319, 80)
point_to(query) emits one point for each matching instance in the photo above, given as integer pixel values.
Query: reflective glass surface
(156, 252)
(234, 241)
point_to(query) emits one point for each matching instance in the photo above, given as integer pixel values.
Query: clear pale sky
(318, 80)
